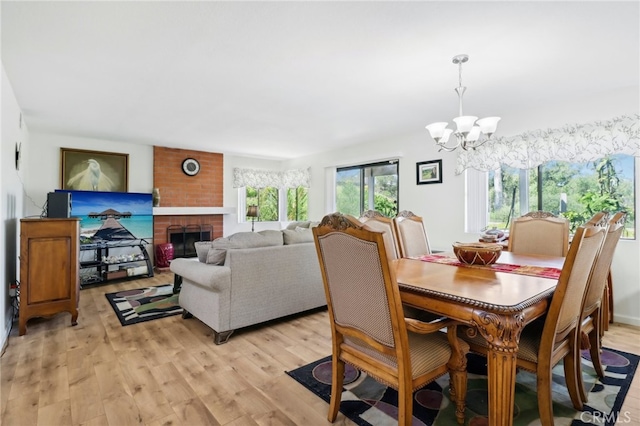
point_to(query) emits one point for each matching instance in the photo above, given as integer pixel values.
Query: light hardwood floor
(169, 372)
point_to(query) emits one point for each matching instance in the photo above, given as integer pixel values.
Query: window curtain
(576, 143)
(270, 178)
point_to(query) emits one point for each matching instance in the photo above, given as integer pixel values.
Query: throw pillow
(297, 236)
(202, 249)
(298, 224)
(216, 256)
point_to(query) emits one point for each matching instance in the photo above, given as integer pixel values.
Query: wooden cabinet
(49, 284)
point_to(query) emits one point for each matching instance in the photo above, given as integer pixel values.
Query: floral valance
(576, 143)
(270, 178)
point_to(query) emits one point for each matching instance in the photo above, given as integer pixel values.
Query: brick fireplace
(179, 190)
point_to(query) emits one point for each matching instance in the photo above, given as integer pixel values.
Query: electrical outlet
(13, 289)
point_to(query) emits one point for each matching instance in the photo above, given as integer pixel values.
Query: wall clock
(190, 166)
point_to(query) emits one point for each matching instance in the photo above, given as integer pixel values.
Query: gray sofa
(250, 278)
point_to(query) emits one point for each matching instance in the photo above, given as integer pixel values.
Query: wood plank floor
(169, 372)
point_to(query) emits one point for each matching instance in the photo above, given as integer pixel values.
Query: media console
(110, 265)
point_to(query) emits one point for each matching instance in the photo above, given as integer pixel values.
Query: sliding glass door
(368, 187)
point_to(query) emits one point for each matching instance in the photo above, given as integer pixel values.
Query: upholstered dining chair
(376, 221)
(592, 311)
(368, 328)
(545, 342)
(412, 235)
(539, 232)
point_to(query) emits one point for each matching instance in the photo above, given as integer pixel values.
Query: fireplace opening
(183, 238)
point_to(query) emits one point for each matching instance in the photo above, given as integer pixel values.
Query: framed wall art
(93, 170)
(429, 172)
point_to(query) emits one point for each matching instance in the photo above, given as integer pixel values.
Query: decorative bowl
(477, 253)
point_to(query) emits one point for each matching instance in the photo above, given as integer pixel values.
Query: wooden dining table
(497, 305)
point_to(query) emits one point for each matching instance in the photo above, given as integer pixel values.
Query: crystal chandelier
(470, 132)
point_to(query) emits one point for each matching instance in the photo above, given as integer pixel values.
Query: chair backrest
(565, 310)
(539, 233)
(412, 235)
(598, 279)
(358, 281)
(376, 221)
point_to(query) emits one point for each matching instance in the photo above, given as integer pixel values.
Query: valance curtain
(576, 143)
(270, 178)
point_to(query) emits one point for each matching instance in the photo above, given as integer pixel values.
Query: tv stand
(109, 267)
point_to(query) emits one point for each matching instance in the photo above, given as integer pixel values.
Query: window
(368, 187)
(268, 202)
(279, 195)
(573, 190)
(297, 199)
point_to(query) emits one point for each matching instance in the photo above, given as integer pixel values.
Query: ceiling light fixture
(469, 130)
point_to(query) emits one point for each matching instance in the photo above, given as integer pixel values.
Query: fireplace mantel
(180, 211)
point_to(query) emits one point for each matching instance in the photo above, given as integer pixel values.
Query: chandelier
(470, 132)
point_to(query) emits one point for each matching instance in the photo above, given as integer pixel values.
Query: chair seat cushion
(428, 351)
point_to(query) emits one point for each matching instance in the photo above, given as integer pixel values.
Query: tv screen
(112, 216)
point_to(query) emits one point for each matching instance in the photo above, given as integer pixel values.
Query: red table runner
(536, 271)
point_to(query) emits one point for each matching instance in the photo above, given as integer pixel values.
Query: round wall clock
(190, 166)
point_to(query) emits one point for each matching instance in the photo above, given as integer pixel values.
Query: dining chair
(592, 311)
(554, 338)
(539, 232)
(368, 328)
(376, 221)
(412, 235)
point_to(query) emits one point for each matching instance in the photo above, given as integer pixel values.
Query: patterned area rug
(366, 402)
(144, 304)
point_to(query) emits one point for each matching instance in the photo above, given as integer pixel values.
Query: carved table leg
(502, 332)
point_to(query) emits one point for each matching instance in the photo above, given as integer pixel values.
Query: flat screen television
(112, 216)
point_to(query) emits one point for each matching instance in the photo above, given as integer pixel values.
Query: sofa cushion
(256, 239)
(302, 224)
(217, 250)
(202, 249)
(297, 236)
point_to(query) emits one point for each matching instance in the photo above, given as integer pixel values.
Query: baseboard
(623, 319)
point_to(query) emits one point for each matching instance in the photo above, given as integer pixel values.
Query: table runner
(536, 271)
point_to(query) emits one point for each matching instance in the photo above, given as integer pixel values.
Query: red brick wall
(180, 190)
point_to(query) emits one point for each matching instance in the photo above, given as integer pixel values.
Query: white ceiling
(287, 79)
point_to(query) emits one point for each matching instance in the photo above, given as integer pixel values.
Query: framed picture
(93, 170)
(429, 172)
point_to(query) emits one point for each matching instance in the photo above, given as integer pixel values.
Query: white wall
(11, 202)
(47, 164)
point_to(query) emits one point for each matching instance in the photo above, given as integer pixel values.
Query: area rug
(367, 402)
(144, 304)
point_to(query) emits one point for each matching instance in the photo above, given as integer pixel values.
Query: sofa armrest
(215, 277)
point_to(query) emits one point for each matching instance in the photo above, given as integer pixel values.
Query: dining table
(497, 301)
